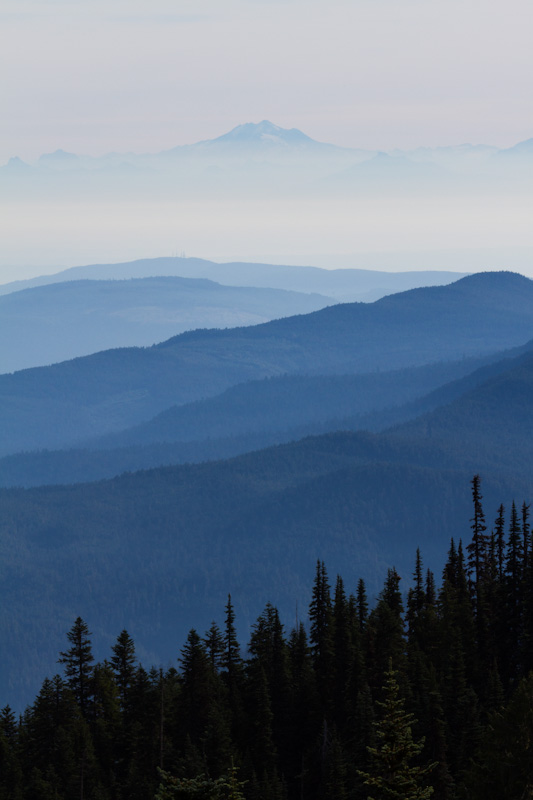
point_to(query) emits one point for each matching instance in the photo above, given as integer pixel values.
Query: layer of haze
(97, 76)
(94, 77)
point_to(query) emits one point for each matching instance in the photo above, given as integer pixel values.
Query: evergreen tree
(260, 740)
(385, 633)
(145, 735)
(334, 770)
(304, 716)
(232, 660)
(525, 536)
(362, 604)
(321, 635)
(123, 662)
(343, 653)
(202, 787)
(499, 535)
(233, 673)
(478, 547)
(512, 591)
(269, 649)
(392, 775)
(504, 764)
(78, 663)
(215, 647)
(197, 692)
(11, 779)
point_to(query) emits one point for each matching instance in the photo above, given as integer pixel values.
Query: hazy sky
(92, 76)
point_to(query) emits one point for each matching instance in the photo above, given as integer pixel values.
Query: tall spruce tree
(78, 661)
(392, 775)
(478, 546)
(321, 635)
(385, 633)
(513, 592)
(123, 662)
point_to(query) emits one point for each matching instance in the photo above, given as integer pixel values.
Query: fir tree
(321, 636)
(214, 645)
(78, 663)
(123, 662)
(478, 547)
(197, 692)
(513, 592)
(362, 604)
(385, 633)
(392, 775)
(504, 764)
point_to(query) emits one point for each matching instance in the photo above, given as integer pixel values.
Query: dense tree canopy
(428, 693)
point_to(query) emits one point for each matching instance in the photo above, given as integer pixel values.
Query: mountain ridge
(115, 389)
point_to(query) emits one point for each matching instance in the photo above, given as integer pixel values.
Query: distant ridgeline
(389, 702)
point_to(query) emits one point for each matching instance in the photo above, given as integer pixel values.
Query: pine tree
(344, 653)
(503, 767)
(269, 649)
(123, 662)
(385, 633)
(232, 656)
(78, 663)
(478, 547)
(362, 604)
(392, 775)
(214, 645)
(144, 734)
(201, 787)
(260, 740)
(10, 768)
(513, 591)
(321, 618)
(233, 673)
(499, 535)
(304, 714)
(197, 693)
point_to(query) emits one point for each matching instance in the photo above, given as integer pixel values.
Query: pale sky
(93, 76)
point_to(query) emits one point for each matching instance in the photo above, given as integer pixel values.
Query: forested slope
(441, 677)
(63, 404)
(146, 550)
(258, 414)
(60, 321)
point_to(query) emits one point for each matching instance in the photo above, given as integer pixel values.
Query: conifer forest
(427, 692)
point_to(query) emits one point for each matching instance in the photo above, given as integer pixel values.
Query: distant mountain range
(157, 550)
(67, 319)
(270, 139)
(82, 310)
(263, 157)
(343, 285)
(258, 414)
(64, 404)
(151, 550)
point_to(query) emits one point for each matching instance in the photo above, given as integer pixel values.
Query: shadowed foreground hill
(66, 403)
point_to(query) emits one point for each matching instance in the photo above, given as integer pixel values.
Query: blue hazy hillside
(66, 403)
(344, 285)
(258, 414)
(245, 417)
(151, 550)
(60, 321)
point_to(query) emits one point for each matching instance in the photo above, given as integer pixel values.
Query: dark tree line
(431, 698)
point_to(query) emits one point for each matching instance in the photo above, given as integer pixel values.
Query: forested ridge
(65, 404)
(424, 694)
